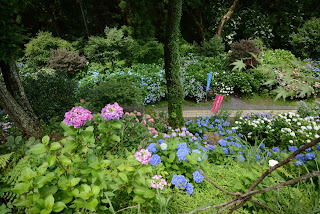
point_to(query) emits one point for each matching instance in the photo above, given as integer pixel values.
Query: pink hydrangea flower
(158, 182)
(112, 112)
(151, 120)
(138, 114)
(77, 117)
(143, 156)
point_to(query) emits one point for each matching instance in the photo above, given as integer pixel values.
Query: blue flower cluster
(197, 177)
(155, 160)
(181, 182)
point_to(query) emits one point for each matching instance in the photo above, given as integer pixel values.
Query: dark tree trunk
(226, 17)
(172, 69)
(84, 19)
(14, 101)
(199, 24)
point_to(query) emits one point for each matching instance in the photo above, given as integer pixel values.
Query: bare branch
(262, 205)
(127, 208)
(290, 158)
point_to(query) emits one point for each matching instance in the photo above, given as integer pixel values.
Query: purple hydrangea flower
(112, 112)
(77, 117)
(152, 148)
(179, 181)
(189, 189)
(181, 154)
(275, 149)
(223, 142)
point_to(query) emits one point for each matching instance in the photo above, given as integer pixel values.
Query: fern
(10, 176)
(4, 159)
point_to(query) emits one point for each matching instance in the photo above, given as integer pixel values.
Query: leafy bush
(306, 42)
(38, 49)
(49, 93)
(242, 49)
(275, 56)
(185, 48)
(149, 51)
(213, 47)
(114, 46)
(110, 91)
(66, 61)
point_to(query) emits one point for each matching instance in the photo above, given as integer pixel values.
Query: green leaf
(58, 206)
(90, 129)
(69, 144)
(20, 188)
(45, 191)
(113, 186)
(95, 190)
(27, 174)
(45, 211)
(305, 90)
(38, 149)
(124, 177)
(138, 199)
(51, 159)
(115, 138)
(45, 140)
(55, 146)
(238, 65)
(110, 194)
(74, 181)
(22, 203)
(91, 205)
(116, 124)
(281, 92)
(49, 202)
(171, 157)
(66, 161)
(68, 130)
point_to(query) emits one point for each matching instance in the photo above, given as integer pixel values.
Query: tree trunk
(172, 69)
(14, 101)
(199, 24)
(84, 19)
(226, 17)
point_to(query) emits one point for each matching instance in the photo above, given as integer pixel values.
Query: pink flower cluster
(77, 117)
(153, 131)
(157, 182)
(112, 112)
(143, 156)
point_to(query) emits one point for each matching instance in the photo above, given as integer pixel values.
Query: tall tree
(171, 59)
(227, 17)
(12, 96)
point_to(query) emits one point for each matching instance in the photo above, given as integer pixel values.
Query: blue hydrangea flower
(292, 148)
(275, 149)
(310, 156)
(182, 146)
(238, 145)
(189, 189)
(179, 181)
(181, 154)
(233, 130)
(257, 157)
(298, 163)
(200, 131)
(226, 124)
(155, 160)
(318, 147)
(223, 142)
(299, 156)
(197, 177)
(240, 135)
(211, 147)
(217, 121)
(241, 158)
(160, 141)
(269, 154)
(225, 150)
(196, 134)
(152, 148)
(262, 145)
(204, 148)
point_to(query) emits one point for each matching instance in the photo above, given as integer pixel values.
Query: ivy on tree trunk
(171, 59)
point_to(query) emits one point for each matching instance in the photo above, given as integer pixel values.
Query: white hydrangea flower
(273, 163)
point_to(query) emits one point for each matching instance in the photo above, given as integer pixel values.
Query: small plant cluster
(242, 50)
(281, 130)
(306, 110)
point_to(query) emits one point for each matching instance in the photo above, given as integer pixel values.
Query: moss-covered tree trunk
(171, 59)
(14, 101)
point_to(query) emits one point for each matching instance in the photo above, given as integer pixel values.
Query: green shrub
(50, 94)
(275, 56)
(114, 46)
(147, 51)
(37, 53)
(110, 91)
(186, 48)
(306, 42)
(66, 61)
(213, 47)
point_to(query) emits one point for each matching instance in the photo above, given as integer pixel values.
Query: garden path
(235, 105)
